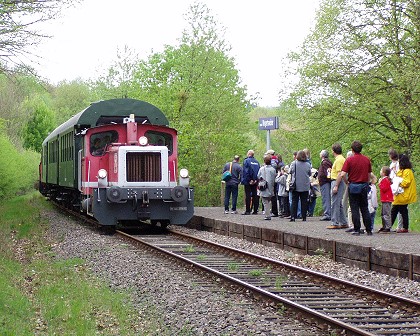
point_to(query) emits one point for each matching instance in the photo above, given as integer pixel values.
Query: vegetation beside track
(45, 295)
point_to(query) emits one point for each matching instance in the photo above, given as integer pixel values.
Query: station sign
(269, 123)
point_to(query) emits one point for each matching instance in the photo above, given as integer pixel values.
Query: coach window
(160, 139)
(99, 142)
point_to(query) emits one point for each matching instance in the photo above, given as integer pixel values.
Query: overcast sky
(85, 40)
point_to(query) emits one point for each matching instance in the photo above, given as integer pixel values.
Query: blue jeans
(231, 189)
(299, 213)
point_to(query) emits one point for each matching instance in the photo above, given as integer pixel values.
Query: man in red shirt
(359, 172)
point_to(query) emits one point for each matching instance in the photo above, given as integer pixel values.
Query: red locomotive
(117, 161)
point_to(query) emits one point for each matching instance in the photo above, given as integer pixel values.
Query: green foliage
(18, 170)
(69, 98)
(359, 76)
(40, 124)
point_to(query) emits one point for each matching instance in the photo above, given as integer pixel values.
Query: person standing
(300, 171)
(387, 198)
(324, 178)
(395, 167)
(338, 217)
(267, 173)
(283, 192)
(232, 185)
(275, 163)
(249, 180)
(407, 196)
(359, 170)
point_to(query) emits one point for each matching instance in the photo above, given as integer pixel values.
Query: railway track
(339, 306)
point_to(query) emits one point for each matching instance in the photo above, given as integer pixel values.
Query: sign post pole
(268, 124)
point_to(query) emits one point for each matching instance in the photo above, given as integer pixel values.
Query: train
(117, 162)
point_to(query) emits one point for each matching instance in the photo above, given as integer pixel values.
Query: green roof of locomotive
(109, 112)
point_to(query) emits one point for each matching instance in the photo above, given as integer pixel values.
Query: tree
(69, 98)
(359, 73)
(17, 21)
(39, 125)
(199, 89)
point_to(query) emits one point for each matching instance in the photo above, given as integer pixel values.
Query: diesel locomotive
(117, 161)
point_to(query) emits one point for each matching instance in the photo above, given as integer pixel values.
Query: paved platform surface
(405, 243)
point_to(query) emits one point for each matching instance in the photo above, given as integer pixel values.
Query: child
(386, 199)
(283, 192)
(372, 201)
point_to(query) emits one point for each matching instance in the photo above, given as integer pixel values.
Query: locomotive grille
(143, 167)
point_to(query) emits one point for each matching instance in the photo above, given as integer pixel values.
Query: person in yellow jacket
(406, 195)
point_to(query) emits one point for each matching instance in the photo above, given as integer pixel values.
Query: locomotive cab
(130, 173)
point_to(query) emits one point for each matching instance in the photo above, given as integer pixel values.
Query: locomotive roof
(112, 111)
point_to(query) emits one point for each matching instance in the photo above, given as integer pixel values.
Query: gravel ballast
(173, 301)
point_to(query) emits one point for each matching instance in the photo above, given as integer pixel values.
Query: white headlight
(143, 141)
(102, 173)
(183, 173)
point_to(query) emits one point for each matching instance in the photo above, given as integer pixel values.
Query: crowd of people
(346, 186)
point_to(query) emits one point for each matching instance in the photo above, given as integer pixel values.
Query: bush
(18, 170)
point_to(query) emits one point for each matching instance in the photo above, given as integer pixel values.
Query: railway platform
(396, 254)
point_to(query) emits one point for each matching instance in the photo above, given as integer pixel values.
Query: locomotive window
(160, 139)
(99, 141)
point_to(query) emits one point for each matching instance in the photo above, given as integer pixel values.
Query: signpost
(269, 123)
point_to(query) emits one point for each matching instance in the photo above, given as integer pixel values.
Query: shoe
(369, 233)
(292, 220)
(287, 217)
(299, 217)
(274, 215)
(267, 218)
(344, 226)
(303, 219)
(356, 233)
(226, 211)
(325, 218)
(246, 213)
(382, 230)
(349, 230)
(362, 231)
(234, 212)
(256, 213)
(402, 230)
(333, 227)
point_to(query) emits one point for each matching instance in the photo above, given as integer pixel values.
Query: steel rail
(307, 312)
(385, 296)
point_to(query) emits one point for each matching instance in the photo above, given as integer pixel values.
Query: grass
(44, 295)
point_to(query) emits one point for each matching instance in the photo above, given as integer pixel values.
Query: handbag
(262, 184)
(356, 188)
(292, 183)
(227, 175)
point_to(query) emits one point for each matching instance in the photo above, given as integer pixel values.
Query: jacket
(267, 173)
(323, 171)
(250, 170)
(236, 172)
(300, 171)
(409, 185)
(385, 190)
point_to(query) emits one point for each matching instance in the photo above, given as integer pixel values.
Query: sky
(85, 40)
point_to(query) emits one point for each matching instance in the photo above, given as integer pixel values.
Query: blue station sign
(269, 123)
